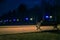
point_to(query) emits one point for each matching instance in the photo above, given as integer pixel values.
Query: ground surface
(21, 29)
(28, 32)
(31, 36)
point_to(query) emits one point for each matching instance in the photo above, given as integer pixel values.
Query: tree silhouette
(1, 1)
(57, 7)
(22, 8)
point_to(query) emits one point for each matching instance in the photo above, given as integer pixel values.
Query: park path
(21, 29)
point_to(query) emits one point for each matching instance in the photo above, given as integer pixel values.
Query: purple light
(14, 19)
(26, 18)
(5, 20)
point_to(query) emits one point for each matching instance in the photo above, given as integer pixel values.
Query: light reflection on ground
(21, 29)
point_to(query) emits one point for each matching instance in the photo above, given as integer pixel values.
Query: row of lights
(29, 19)
(26, 19)
(48, 16)
(16, 20)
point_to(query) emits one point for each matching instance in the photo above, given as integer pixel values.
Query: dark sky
(13, 4)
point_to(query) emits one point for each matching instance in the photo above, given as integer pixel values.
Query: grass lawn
(31, 36)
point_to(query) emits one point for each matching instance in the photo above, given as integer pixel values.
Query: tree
(1, 1)
(22, 8)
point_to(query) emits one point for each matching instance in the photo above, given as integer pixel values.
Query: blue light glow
(14, 19)
(47, 16)
(5, 21)
(26, 18)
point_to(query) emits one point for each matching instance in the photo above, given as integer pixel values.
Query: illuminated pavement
(21, 29)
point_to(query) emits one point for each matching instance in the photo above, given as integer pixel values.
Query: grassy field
(31, 36)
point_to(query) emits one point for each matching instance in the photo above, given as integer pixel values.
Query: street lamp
(31, 19)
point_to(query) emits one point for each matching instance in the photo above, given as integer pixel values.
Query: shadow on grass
(52, 31)
(45, 31)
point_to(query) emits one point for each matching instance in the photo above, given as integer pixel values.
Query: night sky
(13, 4)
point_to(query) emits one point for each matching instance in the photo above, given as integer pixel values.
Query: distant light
(31, 19)
(14, 19)
(26, 18)
(17, 19)
(50, 16)
(47, 16)
(5, 21)
(1, 21)
(10, 20)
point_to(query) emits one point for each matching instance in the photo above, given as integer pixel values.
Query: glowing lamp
(26, 18)
(14, 19)
(47, 16)
(17, 19)
(31, 19)
(50, 16)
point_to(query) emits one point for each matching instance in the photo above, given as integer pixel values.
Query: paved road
(21, 29)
